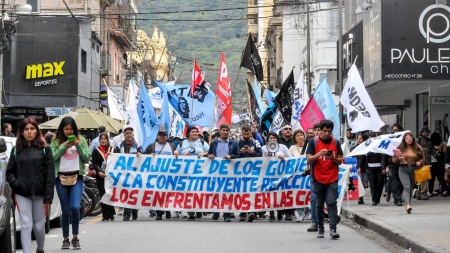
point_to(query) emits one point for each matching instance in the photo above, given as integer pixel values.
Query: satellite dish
(272, 146)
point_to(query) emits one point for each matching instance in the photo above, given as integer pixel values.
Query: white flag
(117, 108)
(299, 103)
(361, 113)
(238, 118)
(156, 97)
(381, 144)
(132, 115)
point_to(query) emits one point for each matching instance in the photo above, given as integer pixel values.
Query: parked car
(7, 215)
(51, 220)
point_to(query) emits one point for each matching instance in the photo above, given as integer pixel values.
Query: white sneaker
(120, 211)
(301, 219)
(184, 214)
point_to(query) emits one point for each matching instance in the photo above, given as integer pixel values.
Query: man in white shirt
(161, 147)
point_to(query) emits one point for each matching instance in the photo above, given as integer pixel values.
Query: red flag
(311, 115)
(197, 77)
(223, 92)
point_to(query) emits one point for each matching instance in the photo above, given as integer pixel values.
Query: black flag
(256, 113)
(251, 59)
(285, 97)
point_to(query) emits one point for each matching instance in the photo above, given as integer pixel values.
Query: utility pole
(340, 67)
(308, 51)
(2, 31)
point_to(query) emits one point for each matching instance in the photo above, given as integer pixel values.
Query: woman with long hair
(99, 156)
(282, 152)
(410, 158)
(30, 173)
(193, 146)
(298, 149)
(71, 152)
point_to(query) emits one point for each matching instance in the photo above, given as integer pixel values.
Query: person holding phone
(325, 174)
(248, 147)
(31, 174)
(410, 158)
(70, 155)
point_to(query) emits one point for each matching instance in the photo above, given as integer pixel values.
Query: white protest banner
(361, 113)
(381, 144)
(187, 183)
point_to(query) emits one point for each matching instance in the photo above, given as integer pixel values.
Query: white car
(55, 209)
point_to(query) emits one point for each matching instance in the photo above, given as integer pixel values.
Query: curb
(394, 234)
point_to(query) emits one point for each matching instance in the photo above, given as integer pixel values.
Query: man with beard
(325, 155)
(286, 136)
(248, 147)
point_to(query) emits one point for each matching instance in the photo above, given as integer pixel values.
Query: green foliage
(203, 35)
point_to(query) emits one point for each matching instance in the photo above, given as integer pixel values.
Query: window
(83, 61)
(35, 5)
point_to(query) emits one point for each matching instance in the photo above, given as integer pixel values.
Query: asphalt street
(205, 235)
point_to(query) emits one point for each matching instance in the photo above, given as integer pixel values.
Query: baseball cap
(425, 129)
(128, 128)
(162, 132)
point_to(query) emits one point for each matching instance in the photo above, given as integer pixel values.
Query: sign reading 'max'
(47, 69)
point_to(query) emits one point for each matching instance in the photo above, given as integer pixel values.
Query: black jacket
(31, 172)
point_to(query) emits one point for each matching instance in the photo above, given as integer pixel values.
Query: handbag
(422, 174)
(68, 180)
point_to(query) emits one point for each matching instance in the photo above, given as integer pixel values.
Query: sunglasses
(287, 128)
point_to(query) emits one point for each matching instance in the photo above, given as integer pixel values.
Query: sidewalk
(426, 229)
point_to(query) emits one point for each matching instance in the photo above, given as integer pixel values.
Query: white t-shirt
(164, 149)
(70, 161)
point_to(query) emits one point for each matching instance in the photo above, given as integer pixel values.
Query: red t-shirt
(326, 171)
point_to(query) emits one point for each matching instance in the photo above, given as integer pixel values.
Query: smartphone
(71, 137)
(246, 146)
(397, 152)
(330, 152)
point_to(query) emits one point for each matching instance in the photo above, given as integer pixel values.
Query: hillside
(201, 29)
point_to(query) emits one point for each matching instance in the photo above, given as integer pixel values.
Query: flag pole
(249, 105)
(213, 117)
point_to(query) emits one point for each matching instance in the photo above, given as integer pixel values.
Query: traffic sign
(57, 111)
(53, 111)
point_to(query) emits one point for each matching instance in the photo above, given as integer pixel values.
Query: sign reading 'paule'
(45, 70)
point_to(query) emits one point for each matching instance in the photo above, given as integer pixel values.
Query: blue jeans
(326, 193)
(313, 203)
(70, 198)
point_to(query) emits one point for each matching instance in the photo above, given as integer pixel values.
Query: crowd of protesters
(67, 151)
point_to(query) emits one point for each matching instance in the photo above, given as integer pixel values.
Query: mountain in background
(201, 29)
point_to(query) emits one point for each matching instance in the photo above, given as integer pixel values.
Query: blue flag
(147, 117)
(270, 96)
(267, 118)
(200, 113)
(325, 101)
(257, 92)
(164, 115)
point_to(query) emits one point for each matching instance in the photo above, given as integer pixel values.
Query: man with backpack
(325, 154)
(248, 147)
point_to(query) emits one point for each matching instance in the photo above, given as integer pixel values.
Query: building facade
(406, 66)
